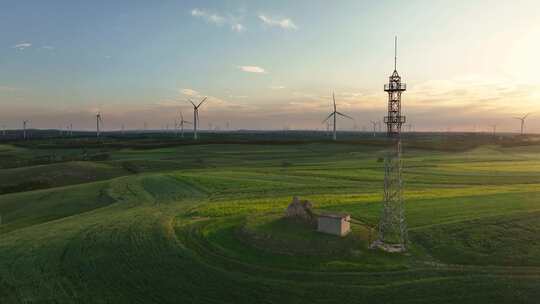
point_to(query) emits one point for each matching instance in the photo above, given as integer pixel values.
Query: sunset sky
(268, 64)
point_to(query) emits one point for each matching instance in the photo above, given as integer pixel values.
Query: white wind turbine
(334, 115)
(374, 123)
(523, 121)
(99, 123)
(25, 123)
(181, 124)
(196, 116)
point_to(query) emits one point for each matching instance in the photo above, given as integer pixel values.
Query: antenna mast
(395, 53)
(392, 228)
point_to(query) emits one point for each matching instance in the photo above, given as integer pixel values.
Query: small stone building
(300, 209)
(334, 223)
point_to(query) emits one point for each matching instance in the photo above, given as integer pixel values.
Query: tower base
(388, 247)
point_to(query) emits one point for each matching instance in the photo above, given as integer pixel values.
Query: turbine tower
(196, 116)
(522, 119)
(392, 228)
(334, 116)
(99, 123)
(327, 128)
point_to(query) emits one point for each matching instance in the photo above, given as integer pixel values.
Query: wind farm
(172, 153)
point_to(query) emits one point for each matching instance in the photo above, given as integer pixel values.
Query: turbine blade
(192, 102)
(344, 115)
(328, 117)
(204, 99)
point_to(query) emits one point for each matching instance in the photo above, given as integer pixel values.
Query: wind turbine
(334, 115)
(25, 122)
(374, 123)
(494, 128)
(196, 116)
(99, 123)
(181, 124)
(523, 121)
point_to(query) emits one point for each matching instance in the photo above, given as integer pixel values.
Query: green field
(203, 224)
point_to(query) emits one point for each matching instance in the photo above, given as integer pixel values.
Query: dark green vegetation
(151, 221)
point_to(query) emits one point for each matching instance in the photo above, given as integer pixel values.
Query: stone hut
(334, 223)
(301, 209)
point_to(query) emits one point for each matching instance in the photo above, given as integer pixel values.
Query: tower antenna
(395, 53)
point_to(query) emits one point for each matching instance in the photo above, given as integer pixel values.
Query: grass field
(203, 224)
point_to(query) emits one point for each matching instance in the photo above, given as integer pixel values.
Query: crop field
(203, 223)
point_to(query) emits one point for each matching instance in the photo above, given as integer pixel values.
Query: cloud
(476, 94)
(47, 47)
(8, 89)
(218, 104)
(285, 23)
(21, 46)
(218, 19)
(214, 18)
(238, 27)
(252, 69)
(189, 92)
(278, 87)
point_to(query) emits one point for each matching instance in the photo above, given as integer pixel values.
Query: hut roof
(336, 215)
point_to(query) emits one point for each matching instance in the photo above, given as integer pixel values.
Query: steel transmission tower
(392, 226)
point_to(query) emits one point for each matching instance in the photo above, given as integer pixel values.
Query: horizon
(265, 66)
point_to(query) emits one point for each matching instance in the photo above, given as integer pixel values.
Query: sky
(468, 65)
